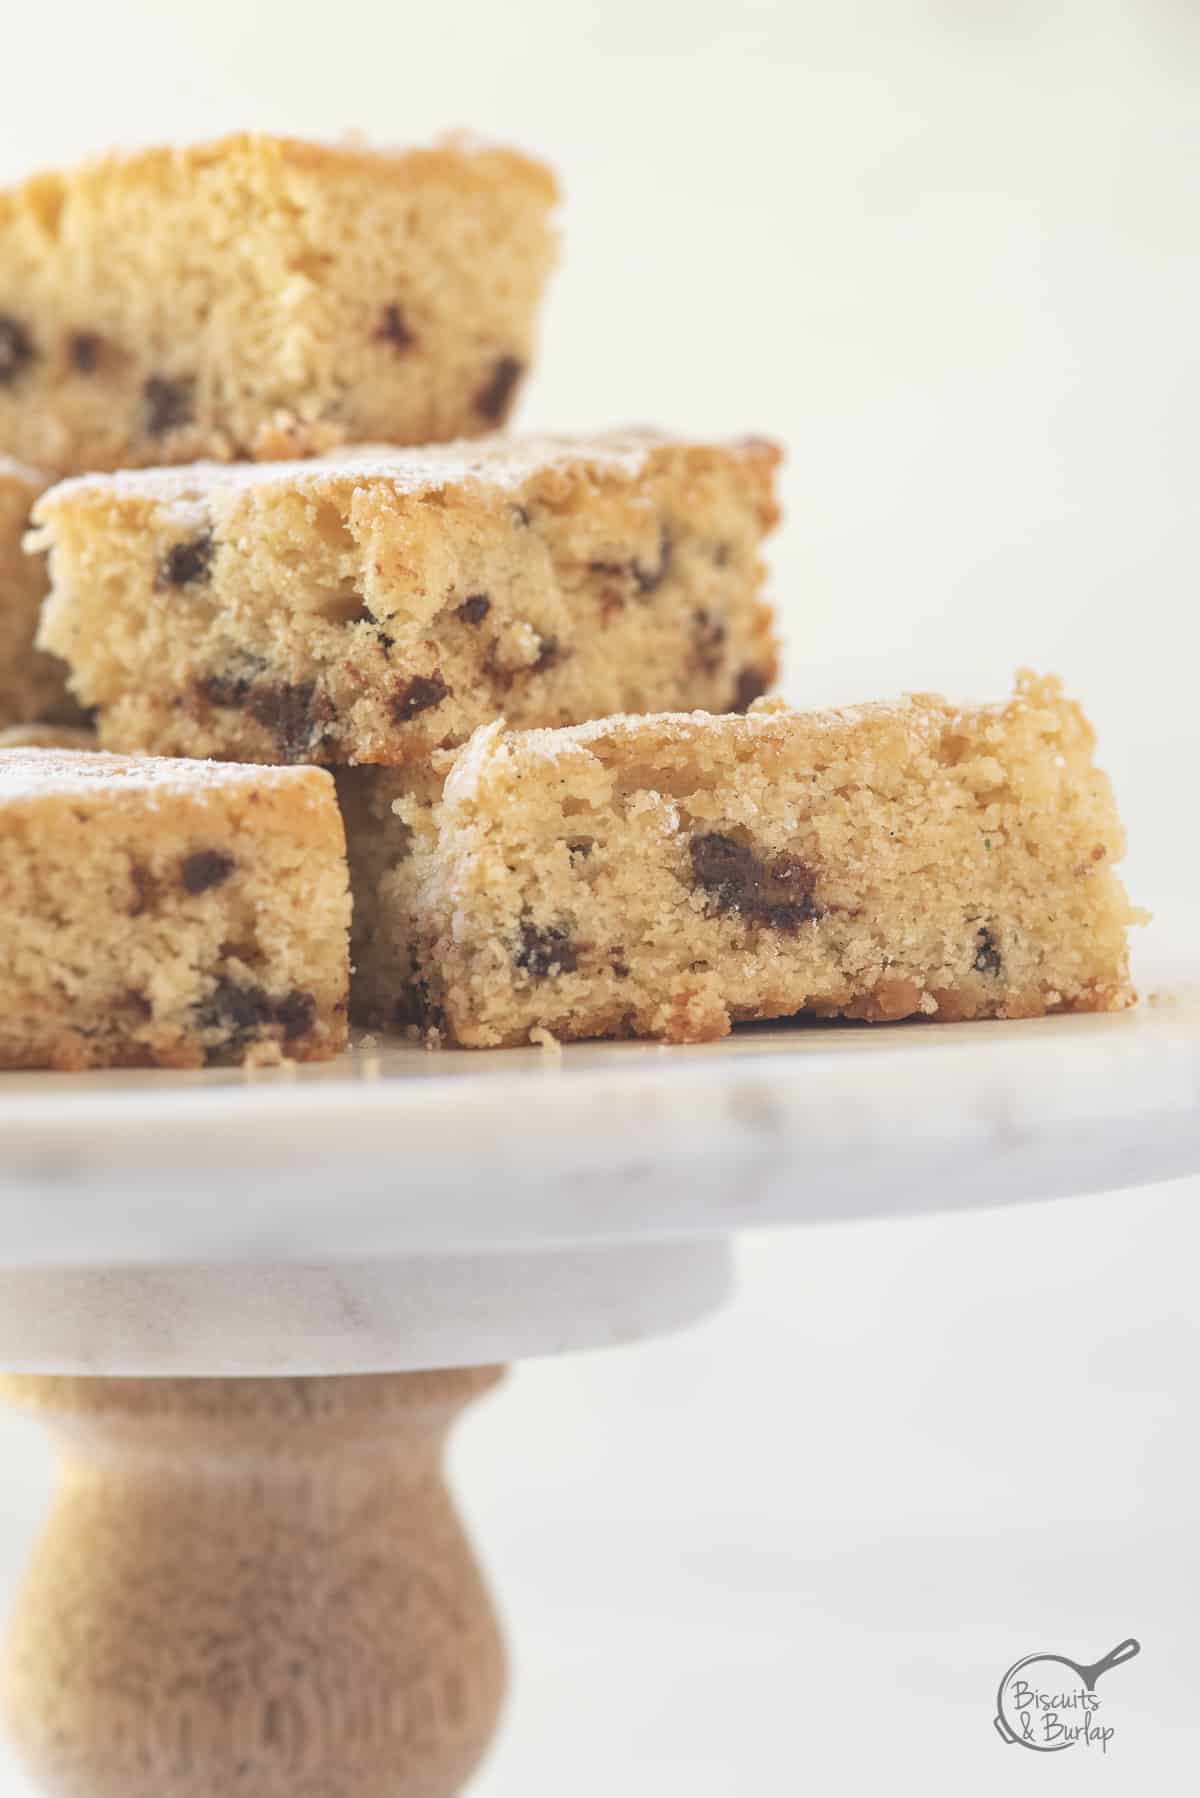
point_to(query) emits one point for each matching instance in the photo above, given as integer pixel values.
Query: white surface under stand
(252, 1580)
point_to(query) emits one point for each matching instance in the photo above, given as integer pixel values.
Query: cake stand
(249, 1306)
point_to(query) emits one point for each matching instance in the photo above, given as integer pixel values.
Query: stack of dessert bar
(519, 679)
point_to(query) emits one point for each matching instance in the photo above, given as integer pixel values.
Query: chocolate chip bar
(668, 876)
(376, 605)
(262, 296)
(171, 914)
(32, 684)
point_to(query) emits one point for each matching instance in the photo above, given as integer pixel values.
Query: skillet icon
(1047, 1702)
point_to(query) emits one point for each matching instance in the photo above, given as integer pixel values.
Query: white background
(948, 253)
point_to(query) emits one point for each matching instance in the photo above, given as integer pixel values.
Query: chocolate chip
(84, 350)
(206, 868)
(545, 949)
(145, 890)
(420, 694)
(750, 685)
(394, 329)
(649, 578)
(416, 1010)
(223, 689)
(292, 712)
(549, 655)
(168, 405)
(579, 848)
(242, 1012)
(238, 1012)
(708, 641)
(474, 609)
(988, 959)
(295, 1014)
(495, 396)
(520, 515)
(645, 579)
(186, 563)
(364, 615)
(777, 893)
(16, 348)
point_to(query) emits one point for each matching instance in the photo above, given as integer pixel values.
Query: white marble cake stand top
(401, 1208)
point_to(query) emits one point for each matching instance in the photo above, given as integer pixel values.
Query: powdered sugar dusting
(39, 773)
(499, 462)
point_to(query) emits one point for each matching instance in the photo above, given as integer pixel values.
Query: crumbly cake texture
(668, 876)
(32, 683)
(261, 296)
(374, 606)
(168, 913)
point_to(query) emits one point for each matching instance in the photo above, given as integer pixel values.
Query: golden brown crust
(455, 160)
(476, 475)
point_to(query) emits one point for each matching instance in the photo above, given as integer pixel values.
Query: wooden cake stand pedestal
(249, 1310)
(253, 1586)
